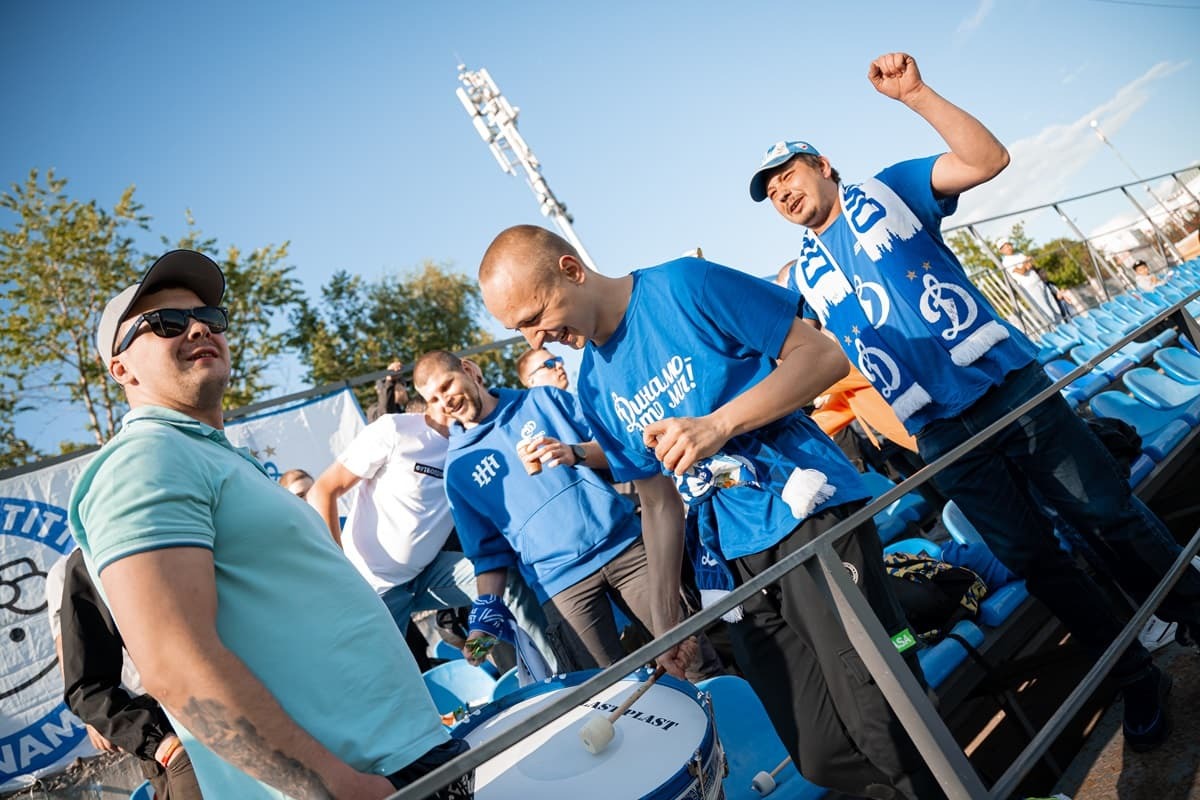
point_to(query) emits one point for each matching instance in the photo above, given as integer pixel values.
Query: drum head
(648, 756)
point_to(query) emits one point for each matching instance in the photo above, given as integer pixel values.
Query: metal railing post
(1163, 240)
(1091, 253)
(896, 681)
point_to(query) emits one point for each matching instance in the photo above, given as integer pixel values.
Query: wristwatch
(579, 453)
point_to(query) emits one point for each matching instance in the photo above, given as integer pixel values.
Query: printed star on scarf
(911, 275)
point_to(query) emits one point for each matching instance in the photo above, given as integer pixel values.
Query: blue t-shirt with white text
(694, 336)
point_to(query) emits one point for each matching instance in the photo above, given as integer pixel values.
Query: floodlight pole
(496, 122)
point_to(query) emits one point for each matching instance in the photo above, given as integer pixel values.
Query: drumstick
(597, 732)
(764, 783)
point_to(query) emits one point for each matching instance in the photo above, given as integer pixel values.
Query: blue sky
(335, 127)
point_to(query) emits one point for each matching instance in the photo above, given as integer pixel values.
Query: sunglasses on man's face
(549, 363)
(167, 323)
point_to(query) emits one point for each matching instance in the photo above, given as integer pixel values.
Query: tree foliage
(1060, 261)
(61, 260)
(358, 326)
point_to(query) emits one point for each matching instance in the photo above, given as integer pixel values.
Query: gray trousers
(581, 626)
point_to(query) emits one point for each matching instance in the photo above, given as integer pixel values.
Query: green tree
(260, 293)
(1062, 261)
(14, 451)
(359, 326)
(62, 260)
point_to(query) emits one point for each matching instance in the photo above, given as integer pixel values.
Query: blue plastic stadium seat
(1047, 354)
(1112, 367)
(960, 528)
(443, 651)
(1081, 389)
(1002, 600)
(1188, 346)
(1001, 603)
(1139, 351)
(1179, 364)
(909, 508)
(1161, 431)
(751, 745)
(457, 684)
(1141, 469)
(939, 661)
(915, 547)
(1159, 391)
(508, 682)
(144, 791)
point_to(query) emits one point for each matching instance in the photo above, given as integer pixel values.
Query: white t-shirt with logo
(399, 518)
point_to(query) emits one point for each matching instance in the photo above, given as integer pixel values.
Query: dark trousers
(1050, 452)
(462, 788)
(821, 699)
(174, 782)
(580, 620)
(581, 626)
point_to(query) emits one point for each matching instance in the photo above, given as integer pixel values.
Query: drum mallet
(598, 731)
(764, 782)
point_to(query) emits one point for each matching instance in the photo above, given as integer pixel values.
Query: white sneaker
(1156, 634)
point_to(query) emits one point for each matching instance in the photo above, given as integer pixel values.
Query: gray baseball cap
(187, 268)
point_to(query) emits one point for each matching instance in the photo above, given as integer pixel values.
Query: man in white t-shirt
(1020, 267)
(400, 520)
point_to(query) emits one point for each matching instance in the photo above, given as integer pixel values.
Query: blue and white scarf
(489, 615)
(879, 221)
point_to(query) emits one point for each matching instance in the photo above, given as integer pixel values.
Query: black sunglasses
(168, 323)
(549, 363)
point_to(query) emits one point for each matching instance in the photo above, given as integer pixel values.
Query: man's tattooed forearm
(237, 741)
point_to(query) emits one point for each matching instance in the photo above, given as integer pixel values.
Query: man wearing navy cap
(875, 270)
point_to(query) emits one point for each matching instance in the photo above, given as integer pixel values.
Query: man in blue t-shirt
(876, 272)
(680, 383)
(519, 475)
(281, 670)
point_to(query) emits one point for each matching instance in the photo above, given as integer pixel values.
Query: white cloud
(972, 22)
(1043, 164)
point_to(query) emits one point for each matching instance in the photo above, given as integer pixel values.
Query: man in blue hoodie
(576, 542)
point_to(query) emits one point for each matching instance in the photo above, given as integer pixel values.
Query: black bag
(934, 595)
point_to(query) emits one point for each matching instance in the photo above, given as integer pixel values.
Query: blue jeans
(1050, 454)
(449, 582)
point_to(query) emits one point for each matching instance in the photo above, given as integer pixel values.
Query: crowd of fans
(278, 637)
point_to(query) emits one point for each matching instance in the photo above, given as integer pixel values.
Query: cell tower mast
(496, 122)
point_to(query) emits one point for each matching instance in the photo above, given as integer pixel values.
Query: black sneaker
(1147, 722)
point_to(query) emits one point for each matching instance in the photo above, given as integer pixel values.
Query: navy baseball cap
(776, 154)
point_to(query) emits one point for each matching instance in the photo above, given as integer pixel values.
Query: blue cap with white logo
(777, 154)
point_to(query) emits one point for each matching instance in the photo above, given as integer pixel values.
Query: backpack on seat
(934, 595)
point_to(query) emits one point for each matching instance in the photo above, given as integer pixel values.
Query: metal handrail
(913, 708)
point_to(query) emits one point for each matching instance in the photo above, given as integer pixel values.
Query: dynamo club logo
(36, 729)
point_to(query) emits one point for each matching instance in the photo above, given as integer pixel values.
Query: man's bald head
(525, 254)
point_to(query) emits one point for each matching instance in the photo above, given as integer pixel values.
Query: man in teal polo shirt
(279, 666)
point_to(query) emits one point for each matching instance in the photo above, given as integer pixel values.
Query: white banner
(38, 735)
(305, 436)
